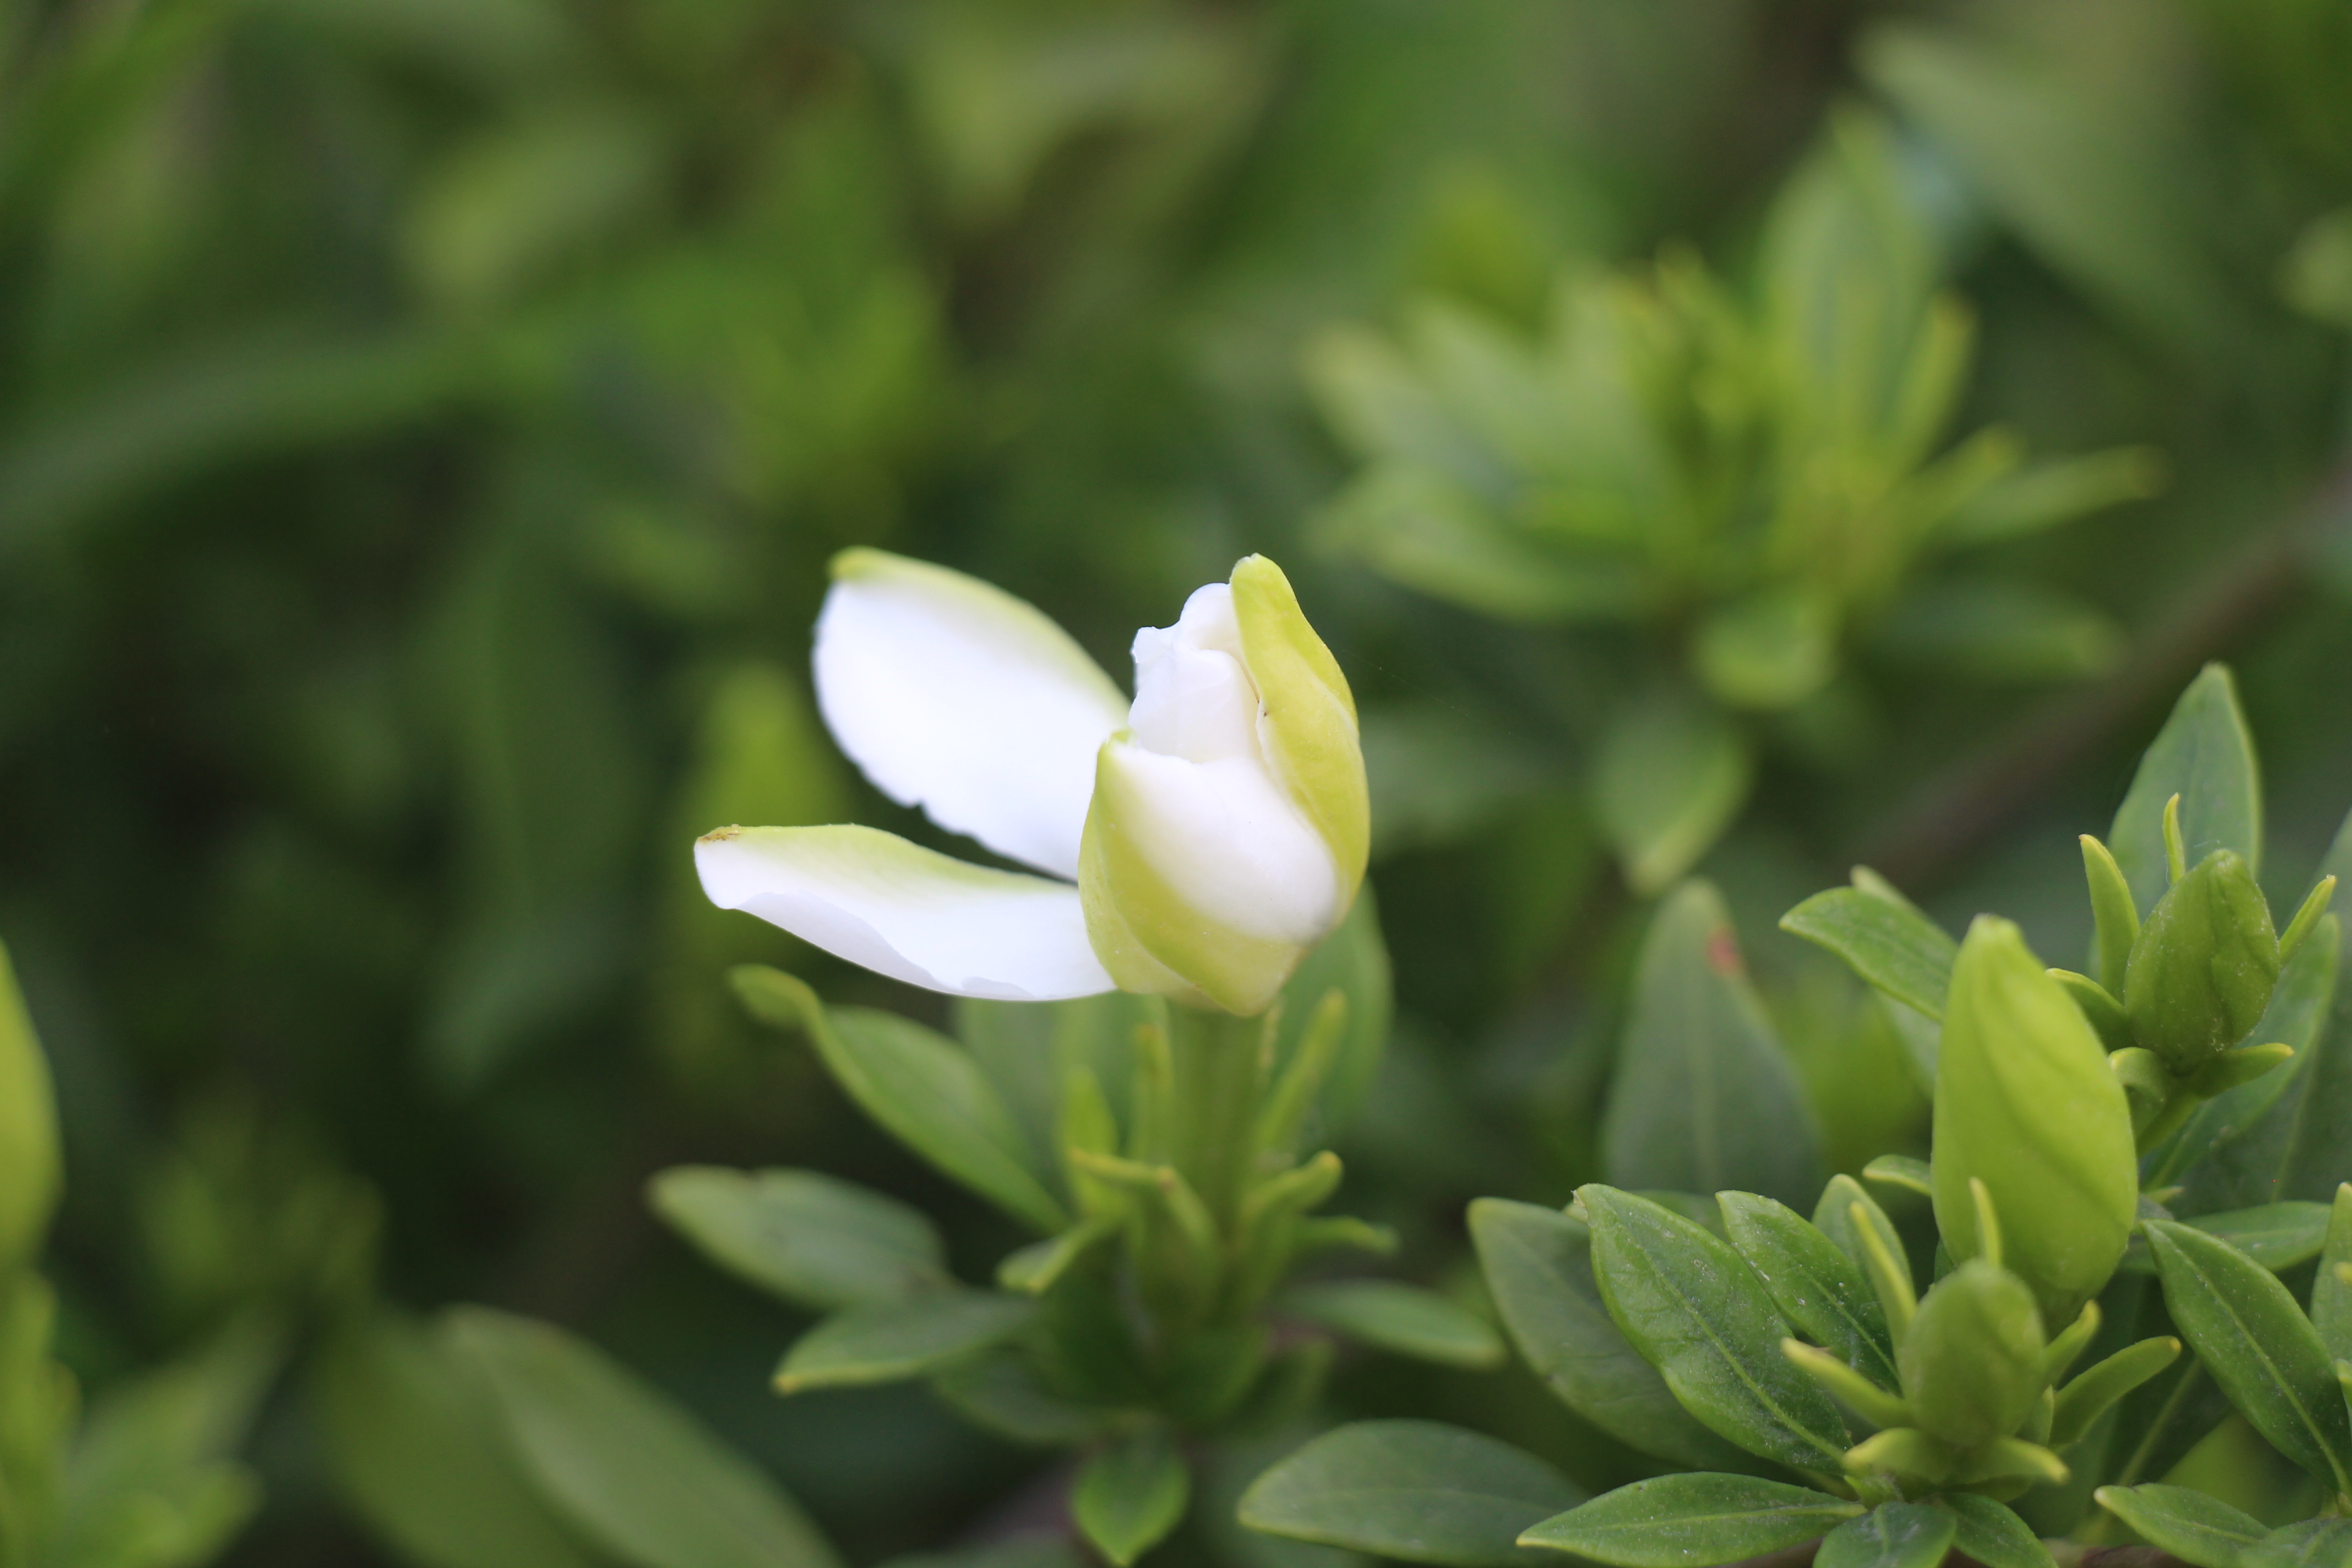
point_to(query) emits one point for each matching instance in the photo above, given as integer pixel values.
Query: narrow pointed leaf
(1823, 1293)
(1415, 1491)
(2258, 1346)
(897, 1340)
(1539, 1267)
(1704, 1098)
(2331, 1294)
(2085, 1400)
(1892, 1535)
(2190, 1525)
(1671, 776)
(929, 1095)
(1692, 1521)
(2204, 754)
(1688, 1304)
(2276, 1235)
(1892, 946)
(1401, 1319)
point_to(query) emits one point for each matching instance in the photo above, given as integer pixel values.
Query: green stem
(1218, 1077)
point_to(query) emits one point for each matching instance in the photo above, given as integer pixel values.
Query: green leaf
(1539, 1267)
(2231, 1151)
(1419, 527)
(1672, 774)
(2204, 754)
(2318, 1155)
(1892, 1535)
(1770, 649)
(1704, 1098)
(1129, 1495)
(2001, 630)
(1692, 1521)
(1993, 1534)
(151, 1478)
(413, 1434)
(1027, 1048)
(1822, 1292)
(1404, 1319)
(1035, 1549)
(1893, 946)
(1417, 1492)
(1693, 1309)
(1903, 1170)
(2276, 1235)
(894, 1340)
(2085, 1400)
(1002, 1392)
(2190, 1525)
(2331, 1293)
(30, 1174)
(2087, 179)
(2262, 1349)
(811, 1239)
(930, 1096)
(2044, 494)
(626, 1466)
(2310, 1543)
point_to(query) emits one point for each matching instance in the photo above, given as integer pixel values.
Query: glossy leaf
(631, 1469)
(1892, 1535)
(1696, 1311)
(2255, 1338)
(811, 1239)
(894, 1340)
(2308, 1543)
(2204, 754)
(1412, 1490)
(1823, 1293)
(2276, 1235)
(2190, 1525)
(1539, 1267)
(1893, 946)
(1705, 1099)
(929, 1095)
(1131, 1494)
(1399, 1317)
(1693, 1520)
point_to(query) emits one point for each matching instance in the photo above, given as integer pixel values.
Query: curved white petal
(902, 911)
(957, 697)
(1228, 842)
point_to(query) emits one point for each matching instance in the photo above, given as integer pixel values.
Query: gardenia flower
(1198, 842)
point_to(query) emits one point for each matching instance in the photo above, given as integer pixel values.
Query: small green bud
(30, 1174)
(1971, 1364)
(2204, 965)
(2026, 1103)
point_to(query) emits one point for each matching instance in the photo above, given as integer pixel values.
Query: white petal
(957, 697)
(1193, 698)
(1229, 843)
(905, 911)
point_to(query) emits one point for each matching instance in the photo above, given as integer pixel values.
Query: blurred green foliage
(422, 425)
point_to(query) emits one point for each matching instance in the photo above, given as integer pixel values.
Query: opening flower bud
(2026, 1103)
(1229, 825)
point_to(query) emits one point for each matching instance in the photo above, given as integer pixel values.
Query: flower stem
(1219, 1076)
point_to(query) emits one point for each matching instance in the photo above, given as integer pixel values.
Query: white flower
(1198, 844)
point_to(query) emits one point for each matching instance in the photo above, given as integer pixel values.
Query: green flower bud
(2026, 1103)
(1230, 823)
(1971, 1360)
(2203, 965)
(30, 1175)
